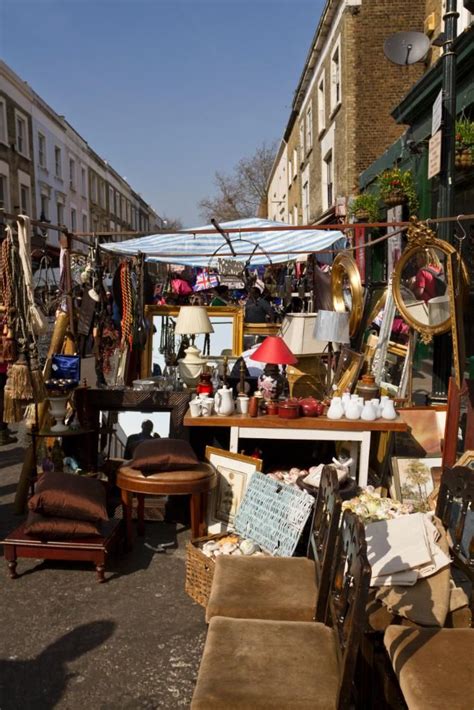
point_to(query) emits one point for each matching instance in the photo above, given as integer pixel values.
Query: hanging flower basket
(361, 215)
(396, 197)
(463, 158)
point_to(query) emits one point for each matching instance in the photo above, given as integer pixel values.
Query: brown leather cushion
(66, 495)
(50, 528)
(263, 588)
(261, 664)
(195, 473)
(163, 455)
(435, 667)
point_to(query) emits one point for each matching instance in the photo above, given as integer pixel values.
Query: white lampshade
(192, 320)
(297, 330)
(332, 327)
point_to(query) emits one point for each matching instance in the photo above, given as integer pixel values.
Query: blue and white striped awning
(203, 249)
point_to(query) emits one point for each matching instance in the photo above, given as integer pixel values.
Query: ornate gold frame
(345, 265)
(420, 237)
(262, 329)
(235, 312)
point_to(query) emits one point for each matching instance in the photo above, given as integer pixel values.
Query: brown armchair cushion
(49, 528)
(66, 495)
(158, 455)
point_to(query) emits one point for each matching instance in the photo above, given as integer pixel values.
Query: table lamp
(274, 352)
(333, 327)
(192, 320)
(297, 330)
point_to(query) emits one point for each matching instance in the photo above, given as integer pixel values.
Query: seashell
(237, 551)
(228, 548)
(294, 471)
(248, 547)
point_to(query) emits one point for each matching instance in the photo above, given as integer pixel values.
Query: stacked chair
(264, 647)
(435, 667)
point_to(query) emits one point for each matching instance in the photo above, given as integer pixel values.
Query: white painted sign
(437, 113)
(434, 155)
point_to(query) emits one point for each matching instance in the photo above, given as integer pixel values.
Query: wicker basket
(199, 569)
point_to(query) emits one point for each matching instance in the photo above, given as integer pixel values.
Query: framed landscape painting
(414, 479)
(233, 475)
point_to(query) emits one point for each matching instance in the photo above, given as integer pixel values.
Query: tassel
(69, 345)
(9, 347)
(19, 379)
(37, 381)
(11, 407)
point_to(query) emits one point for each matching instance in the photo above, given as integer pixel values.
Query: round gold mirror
(420, 283)
(346, 289)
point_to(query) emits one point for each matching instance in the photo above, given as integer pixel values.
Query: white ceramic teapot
(224, 402)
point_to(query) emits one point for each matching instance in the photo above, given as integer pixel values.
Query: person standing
(257, 308)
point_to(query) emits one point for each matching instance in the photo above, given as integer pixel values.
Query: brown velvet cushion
(276, 588)
(66, 495)
(158, 455)
(49, 528)
(435, 667)
(253, 664)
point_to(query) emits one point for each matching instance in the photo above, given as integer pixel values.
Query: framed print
(233, 475)
(347, 372)
(414, 479)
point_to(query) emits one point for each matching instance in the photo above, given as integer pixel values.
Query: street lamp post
(442, 348)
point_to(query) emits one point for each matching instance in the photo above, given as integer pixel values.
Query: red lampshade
(274, 351)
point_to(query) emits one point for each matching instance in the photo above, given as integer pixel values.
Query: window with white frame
(111, 200)
(44, 204)
(83, 181)
(60, 211)
(21, 128)
(328, 180)
(4, 189)
(73, 219)
(84, 222)
(290, 172)
(58, 160)
(321, 105)
(72, 174)
(122, 208)
(295, 163)
(25, 199)
(295, 215)
(41, 150)
(102, 193)
(3, 122)
(305, 195)
(94, 187)
(302, 151)
(335, 78)
(309, 129)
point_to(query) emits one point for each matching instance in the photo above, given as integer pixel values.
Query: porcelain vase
(388, 411)
(368, 413)
(336, 410)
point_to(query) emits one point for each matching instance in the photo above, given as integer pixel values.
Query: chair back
(324, 534)
(348, 598)
(455, 509)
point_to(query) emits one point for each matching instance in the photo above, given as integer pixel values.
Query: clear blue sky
(168, 91)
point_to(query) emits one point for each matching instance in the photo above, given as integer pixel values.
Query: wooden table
(306, 429)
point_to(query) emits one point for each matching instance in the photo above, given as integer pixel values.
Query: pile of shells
(231, 545)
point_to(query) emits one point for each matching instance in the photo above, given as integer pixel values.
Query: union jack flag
(205, 280)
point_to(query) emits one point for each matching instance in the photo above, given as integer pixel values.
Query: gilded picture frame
(234, 472)
(344, 265)
(235, 313)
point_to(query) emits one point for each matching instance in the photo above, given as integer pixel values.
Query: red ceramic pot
(288, 410)
(309, 407)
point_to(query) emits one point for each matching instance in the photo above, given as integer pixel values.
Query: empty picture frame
(234, 472)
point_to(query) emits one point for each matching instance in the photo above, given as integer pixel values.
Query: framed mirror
(227, 338)
(347, 292)
(420, 282)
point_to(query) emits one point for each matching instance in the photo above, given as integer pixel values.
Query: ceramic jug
(224, 402)
(388, 411)
(336, 410)
(368, 413)
(352, 410)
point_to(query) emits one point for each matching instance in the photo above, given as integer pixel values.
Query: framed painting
(467, 459)
(414, 479)
(234, 472)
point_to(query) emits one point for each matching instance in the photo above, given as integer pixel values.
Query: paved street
(68, 642)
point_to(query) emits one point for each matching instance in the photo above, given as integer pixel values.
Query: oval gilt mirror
(346, 287)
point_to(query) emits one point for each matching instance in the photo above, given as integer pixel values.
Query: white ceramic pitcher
(224, 402)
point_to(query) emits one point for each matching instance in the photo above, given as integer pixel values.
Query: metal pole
(442, 346)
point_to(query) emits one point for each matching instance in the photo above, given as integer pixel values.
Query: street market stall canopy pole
(266, 245)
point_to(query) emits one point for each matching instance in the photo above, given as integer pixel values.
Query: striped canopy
(203, 249)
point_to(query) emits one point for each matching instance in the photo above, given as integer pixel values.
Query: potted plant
(365, 207)
(396, 187)
(464, 147)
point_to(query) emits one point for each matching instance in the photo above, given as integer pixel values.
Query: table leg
(141, 513)
(196, 515)
(364, 459)
(100, 567)
(10, 556)
(127, 516)
(234, 440)
(354, 454)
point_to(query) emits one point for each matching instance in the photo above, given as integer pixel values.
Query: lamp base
(271, 382)
(190, 367)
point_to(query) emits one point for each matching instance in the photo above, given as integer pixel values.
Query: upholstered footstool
(195, 481)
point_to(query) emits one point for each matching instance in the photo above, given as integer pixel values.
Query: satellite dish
(406, 47)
